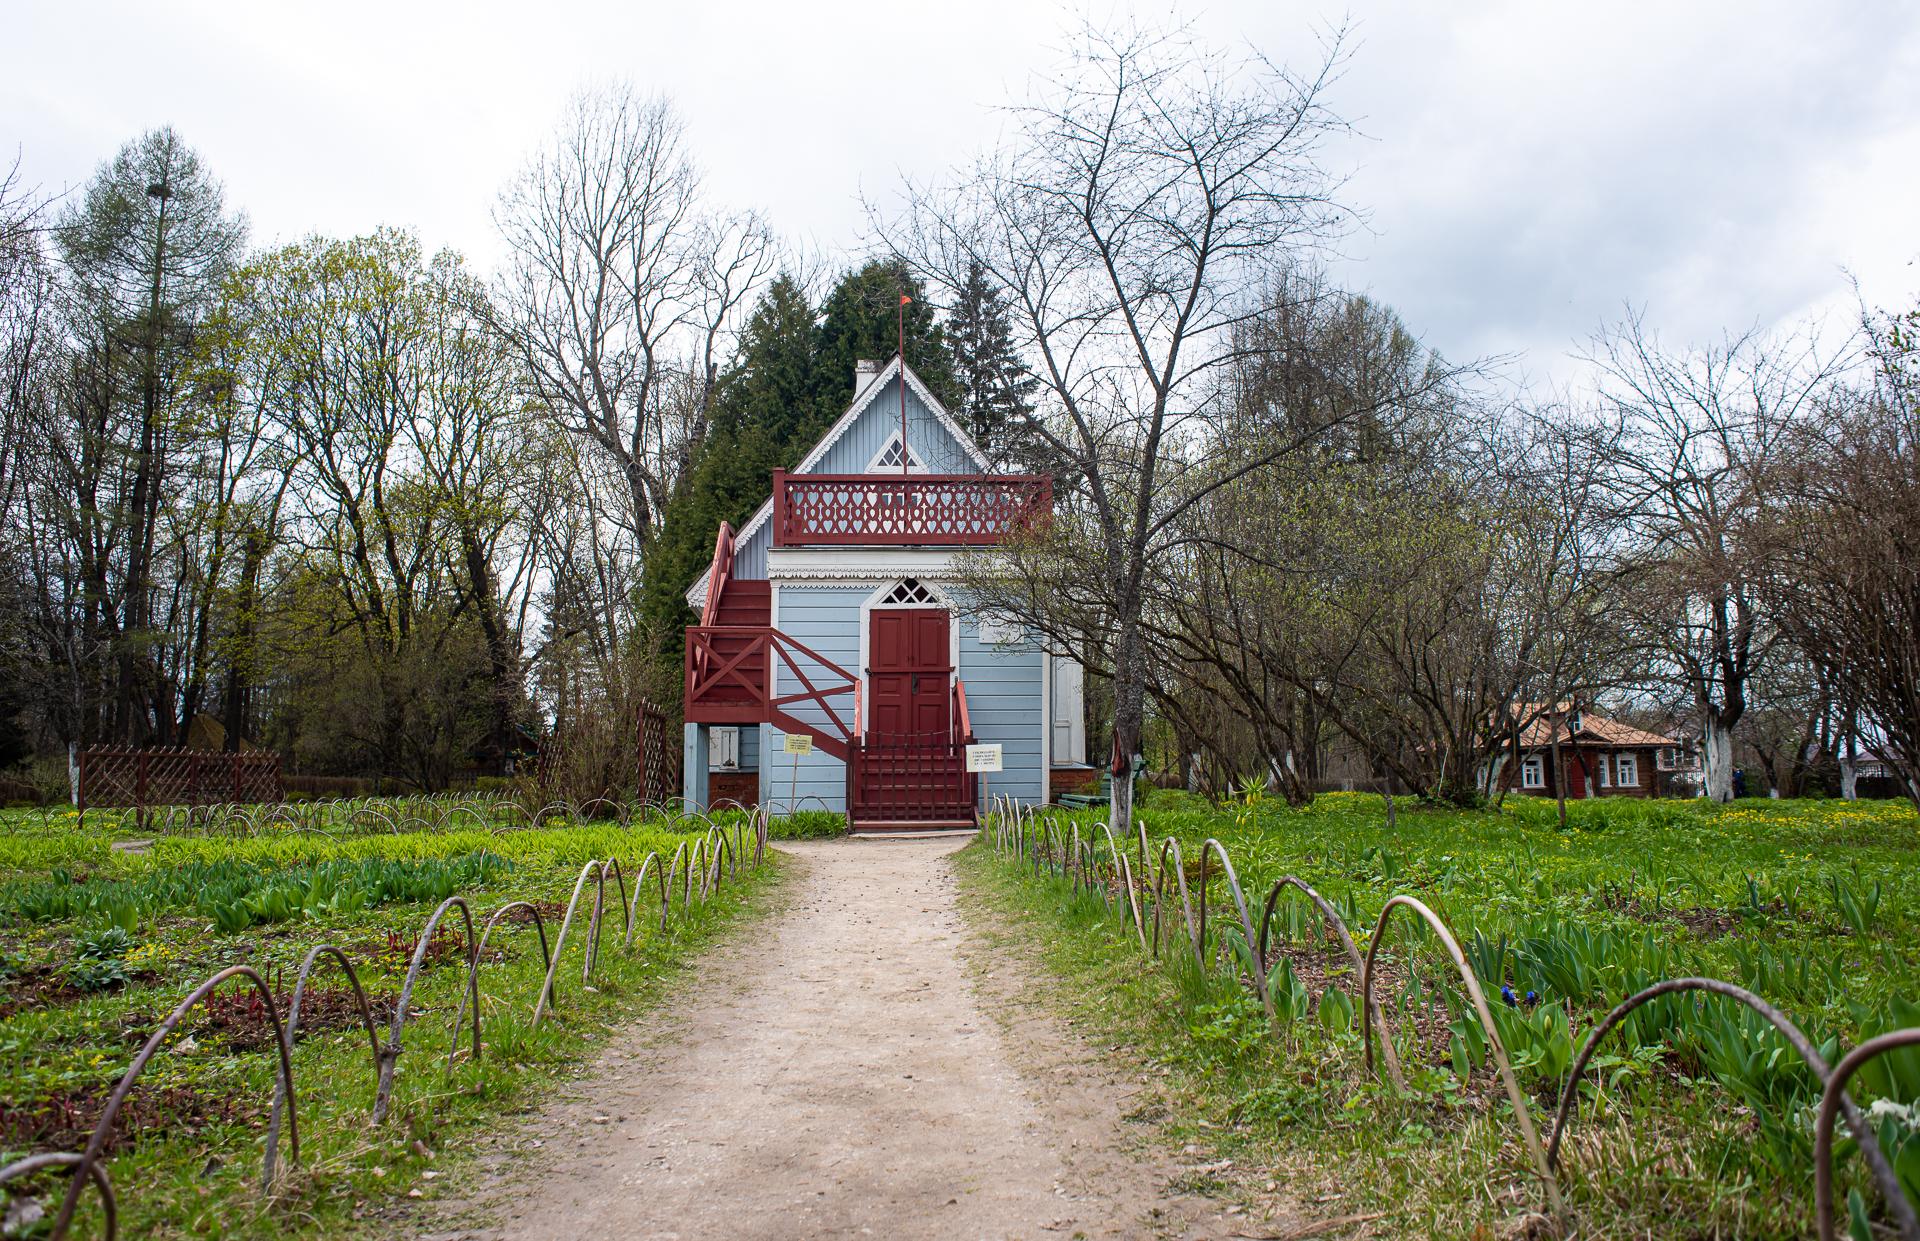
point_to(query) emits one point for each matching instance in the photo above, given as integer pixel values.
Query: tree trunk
(502, 660)
(1129, 715)
(1716, 757)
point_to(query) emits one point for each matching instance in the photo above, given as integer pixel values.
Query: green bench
(1082, 801)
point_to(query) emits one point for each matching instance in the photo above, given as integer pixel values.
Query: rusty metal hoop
(1514, 1095)
(103, 1128)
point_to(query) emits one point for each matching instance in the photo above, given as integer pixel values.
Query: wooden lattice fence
(659, 758)
(121, 776)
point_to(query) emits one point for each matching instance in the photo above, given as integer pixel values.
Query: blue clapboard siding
(750, 555)
(749, 747)
(931, 442)
(1004, 705)
(827, 619)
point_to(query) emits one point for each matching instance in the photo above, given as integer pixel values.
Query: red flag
(905, 300)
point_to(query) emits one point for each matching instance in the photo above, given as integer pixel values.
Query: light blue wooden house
(835, 616)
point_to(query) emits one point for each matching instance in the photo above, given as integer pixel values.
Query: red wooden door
(910, 672)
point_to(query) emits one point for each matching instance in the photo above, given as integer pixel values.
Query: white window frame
(1629, 772)
(723, 747)
(1606, 771)
(1533, 772)
(999, 629)
(914, 464)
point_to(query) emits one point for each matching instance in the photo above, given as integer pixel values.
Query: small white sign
(983, 757)
(797, 743)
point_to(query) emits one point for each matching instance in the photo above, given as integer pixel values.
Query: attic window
(887, 460)
(912, 594)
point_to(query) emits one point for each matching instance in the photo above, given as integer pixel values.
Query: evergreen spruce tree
(858, 321)
(995, 387)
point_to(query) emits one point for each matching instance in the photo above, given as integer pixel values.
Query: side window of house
(1629, 771)
(723, 748)
(1533, 774)
(1606, 771)
(1000, 630)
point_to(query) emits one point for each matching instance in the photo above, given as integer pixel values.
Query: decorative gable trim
(697, 593)
(867, 397)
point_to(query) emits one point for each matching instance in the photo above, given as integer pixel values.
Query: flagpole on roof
(901, 316)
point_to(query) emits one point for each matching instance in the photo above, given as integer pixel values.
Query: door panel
(909, 670)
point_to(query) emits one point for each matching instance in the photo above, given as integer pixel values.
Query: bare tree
(1696, 431)
(622, 286)
(1843, 543)
(1147, 198)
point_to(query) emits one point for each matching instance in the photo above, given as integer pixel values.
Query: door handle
(915, 688)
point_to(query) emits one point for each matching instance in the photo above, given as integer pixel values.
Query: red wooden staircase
(730, 659)
(894, 782)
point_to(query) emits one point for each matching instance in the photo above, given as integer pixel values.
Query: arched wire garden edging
(652, 860)
(598, 871)
(1256, 964)
(1521, 1115)
(1834, 1099)
(1803, 1046)
(96, 1172)
(281, 1098)
(384, 1089)
(1370, 1008)
(103, 1129)
(480, 952)
(1186, 902)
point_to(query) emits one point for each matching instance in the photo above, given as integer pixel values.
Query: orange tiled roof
(1594, 730)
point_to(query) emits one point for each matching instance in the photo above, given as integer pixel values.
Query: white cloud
(1527, 169)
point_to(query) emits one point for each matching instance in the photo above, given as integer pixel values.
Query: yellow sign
(797, 743)
(983, 757)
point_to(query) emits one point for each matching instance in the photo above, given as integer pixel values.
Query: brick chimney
(865, 372)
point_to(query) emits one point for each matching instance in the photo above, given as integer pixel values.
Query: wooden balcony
(904, 510)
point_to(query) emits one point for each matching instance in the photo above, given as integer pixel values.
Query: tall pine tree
(995, 388)
(858, 321)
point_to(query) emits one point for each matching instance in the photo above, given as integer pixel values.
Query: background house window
(1533, 773)
(1629, 771)
(723, 748)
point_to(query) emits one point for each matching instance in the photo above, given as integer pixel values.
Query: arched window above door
(910, 592)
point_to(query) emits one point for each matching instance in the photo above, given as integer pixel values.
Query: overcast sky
(1526, 169)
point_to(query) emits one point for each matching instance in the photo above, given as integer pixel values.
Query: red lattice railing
(118, 776)
(905, 509)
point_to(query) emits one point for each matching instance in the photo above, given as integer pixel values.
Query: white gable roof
(865, 397)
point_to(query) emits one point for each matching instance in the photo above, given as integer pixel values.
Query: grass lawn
(98, 944)
(1697, 1121)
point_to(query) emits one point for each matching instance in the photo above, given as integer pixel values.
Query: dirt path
(839, 1073)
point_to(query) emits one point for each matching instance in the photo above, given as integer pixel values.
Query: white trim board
(827, 564)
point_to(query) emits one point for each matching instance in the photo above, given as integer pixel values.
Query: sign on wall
(797, 743)
(984, 757)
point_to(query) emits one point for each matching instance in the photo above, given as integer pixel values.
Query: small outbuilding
(839, 662)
